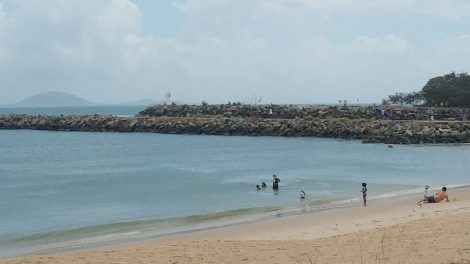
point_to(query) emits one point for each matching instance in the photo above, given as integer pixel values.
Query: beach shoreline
(133, 232)
(289, 234)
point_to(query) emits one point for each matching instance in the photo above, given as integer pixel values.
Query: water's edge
(136, 231)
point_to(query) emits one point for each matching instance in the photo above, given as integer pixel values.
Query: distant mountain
(53, 99)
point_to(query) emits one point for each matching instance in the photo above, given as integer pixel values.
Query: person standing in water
(276, 181)
(302, 194)
(364, 193)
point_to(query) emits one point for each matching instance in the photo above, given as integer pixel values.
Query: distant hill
(57, 99)
(52, 99)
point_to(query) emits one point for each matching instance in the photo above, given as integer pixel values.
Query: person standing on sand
(436, 198)
(276, 181)
(364, 193)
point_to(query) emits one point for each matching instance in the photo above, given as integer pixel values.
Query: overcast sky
(284, 51)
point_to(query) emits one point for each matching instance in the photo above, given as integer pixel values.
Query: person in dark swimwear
(436, 198)
(257, 187)
(364, 193)
(263, 185)
(276, 181)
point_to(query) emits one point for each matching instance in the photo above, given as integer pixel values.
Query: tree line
(450, 90)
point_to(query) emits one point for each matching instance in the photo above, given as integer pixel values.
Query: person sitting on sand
(438, 197)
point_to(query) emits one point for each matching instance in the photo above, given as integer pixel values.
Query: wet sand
(379, 233)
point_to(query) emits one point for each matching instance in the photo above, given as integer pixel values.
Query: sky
(277, 51)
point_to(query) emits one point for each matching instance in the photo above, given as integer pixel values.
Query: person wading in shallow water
(364, 193)
(276, 181)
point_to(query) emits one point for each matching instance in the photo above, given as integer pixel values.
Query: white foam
(417, 190)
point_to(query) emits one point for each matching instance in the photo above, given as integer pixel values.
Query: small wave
(401, 193)
(109, 237)
(61, 240)
(397, 193)
(457, 186)
(334, 204)
(122, 231)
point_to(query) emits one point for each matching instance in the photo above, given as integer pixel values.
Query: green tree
(412, 98)
(451, 90)
(396, 98)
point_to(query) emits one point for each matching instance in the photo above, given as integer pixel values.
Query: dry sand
(379, 233)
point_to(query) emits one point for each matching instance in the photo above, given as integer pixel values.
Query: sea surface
(73, 110)
(66, 190)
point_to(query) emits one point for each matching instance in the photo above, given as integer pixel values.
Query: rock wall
(294, 111)
(370, 130)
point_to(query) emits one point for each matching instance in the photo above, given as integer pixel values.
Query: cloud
(79, 47)
(454, 52)
(389, 44)
(3, 16)
(451, 9)
(283, 50)
(3, 25)
(309, 48)
(290, 58)
(187, 5)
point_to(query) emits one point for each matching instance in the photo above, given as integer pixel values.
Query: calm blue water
(60, 186)
(72, 110)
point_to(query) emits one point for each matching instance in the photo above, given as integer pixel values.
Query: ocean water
(74, 189)
(73, 110)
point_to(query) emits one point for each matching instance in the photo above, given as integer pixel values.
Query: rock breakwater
(237, 110)
(370, 130)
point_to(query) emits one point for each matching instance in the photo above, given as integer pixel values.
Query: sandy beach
(379, 233)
